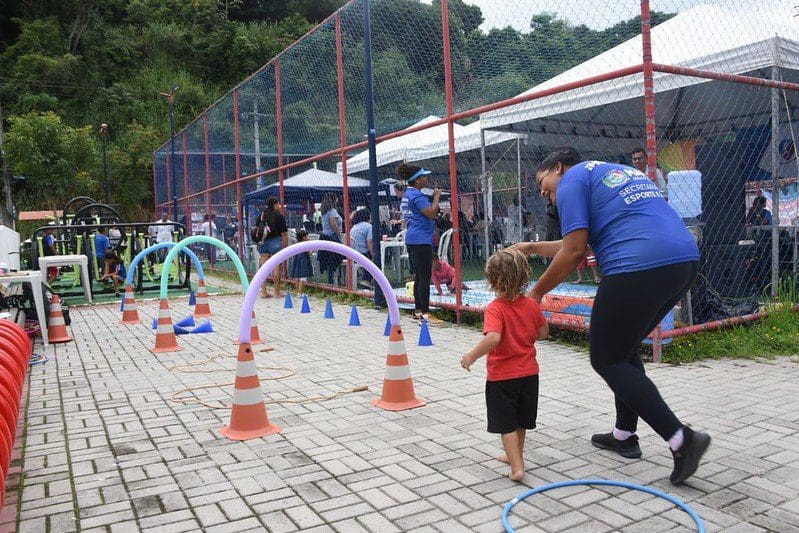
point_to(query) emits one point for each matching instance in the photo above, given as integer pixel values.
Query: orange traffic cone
(165, 339)
(248, 419)
(398, 392)
(130, 312)
(201, 308)
(56, 327)
(255, 337)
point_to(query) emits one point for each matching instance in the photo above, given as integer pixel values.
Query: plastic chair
(443, 245)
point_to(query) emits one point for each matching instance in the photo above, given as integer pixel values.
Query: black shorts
(512, 404)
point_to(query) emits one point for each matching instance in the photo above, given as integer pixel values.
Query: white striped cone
(56, 327)
(165, 339)
(248, 418)
(130, 311)
(255, 337)
(201, 308)
(398, 394)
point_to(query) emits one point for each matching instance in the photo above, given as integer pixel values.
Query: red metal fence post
(237, 148)
(186, 180)
(207, 164)
(651, 130)
(342, 119)
(453, 170)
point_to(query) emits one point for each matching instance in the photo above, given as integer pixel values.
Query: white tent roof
(426, 144)
(704, 37)
(315, 178)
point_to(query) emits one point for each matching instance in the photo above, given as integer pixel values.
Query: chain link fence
(701, 96)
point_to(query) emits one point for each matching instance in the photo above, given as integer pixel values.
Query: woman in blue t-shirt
(419, 234)
(649, 260)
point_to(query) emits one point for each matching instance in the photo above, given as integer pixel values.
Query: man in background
(639, 160)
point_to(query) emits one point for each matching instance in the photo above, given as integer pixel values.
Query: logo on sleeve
(615, 178)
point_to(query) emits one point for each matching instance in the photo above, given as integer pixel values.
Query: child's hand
(467, 361)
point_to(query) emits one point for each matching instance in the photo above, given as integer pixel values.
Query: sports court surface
(101, 447)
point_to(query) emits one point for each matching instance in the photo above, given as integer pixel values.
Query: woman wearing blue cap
(419, 236)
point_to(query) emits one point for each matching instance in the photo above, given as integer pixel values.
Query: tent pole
(775, 179)
(487, 208)
(519, 184)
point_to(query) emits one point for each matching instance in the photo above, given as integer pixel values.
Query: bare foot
(503, 459)
(516, 476)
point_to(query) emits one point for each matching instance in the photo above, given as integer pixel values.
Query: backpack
(259, 232)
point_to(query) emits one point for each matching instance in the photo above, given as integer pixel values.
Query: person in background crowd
(48, 247)
(331, 231)
(639, 160)
(758, 215)
(273, 231)
(101, 246)
(162, 233)
(361, 240)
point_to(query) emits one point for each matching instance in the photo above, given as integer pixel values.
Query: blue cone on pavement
(186, 322)
(155, 322)
(122, 305)
(424, 335)
(306, 307)
(329, 309)
(192, 298)
(287, 303)
(205, 327)
(387, 331)
(354, 318)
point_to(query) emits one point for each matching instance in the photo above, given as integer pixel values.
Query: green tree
(58, 161)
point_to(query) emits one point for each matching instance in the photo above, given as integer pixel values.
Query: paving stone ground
(102, 447)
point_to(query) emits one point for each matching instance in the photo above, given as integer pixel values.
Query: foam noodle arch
(141, 255)
(309, 246)
(245, 283)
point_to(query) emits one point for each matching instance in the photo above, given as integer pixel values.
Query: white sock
(676, 440)
(621, 434)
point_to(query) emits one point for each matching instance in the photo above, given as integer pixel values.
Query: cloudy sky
(599, 14)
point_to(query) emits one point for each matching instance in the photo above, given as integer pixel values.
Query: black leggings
(626, 309)
(422, 257)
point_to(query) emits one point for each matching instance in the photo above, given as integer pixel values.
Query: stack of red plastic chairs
(15, 353)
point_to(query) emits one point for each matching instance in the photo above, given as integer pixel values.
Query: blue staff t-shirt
(420, 228)
(630, 225)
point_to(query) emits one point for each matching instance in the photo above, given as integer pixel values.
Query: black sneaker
(626, 448)
(686, 459)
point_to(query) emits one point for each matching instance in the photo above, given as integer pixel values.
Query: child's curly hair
(508, 273)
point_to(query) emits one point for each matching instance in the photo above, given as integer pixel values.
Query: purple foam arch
(309, 246)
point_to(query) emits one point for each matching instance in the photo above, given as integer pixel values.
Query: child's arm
(437, 282)
(489, 342)
(543, 331)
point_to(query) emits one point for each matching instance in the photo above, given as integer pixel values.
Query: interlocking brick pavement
(102, 446)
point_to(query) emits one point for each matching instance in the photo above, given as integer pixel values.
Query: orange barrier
(248, 418)
(130, 310)
(56, 327)
(165, 339)
(202, 308)
(398, 393)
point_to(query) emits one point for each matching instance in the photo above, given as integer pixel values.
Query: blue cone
(424, 335)
(186, 322)
(155, 322)
(306, 307)
(387, 331)
(329, 309)
(288, 304)
(192, 298)
(122, 305)
(180, 330)
(354, 319)
(205, 327)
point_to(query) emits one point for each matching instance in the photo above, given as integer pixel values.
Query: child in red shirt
(511, 325)
(443, 272)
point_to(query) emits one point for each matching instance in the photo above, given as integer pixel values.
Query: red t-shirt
(518, 322)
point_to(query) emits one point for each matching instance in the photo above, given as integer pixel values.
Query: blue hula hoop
(700, 527)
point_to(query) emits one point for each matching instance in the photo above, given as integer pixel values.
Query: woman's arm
(335, 225)
(564, 262)
(431, 212)
(542, 248)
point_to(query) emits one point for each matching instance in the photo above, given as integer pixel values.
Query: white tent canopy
(311, 179)
(426, 144)
(704, 37)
